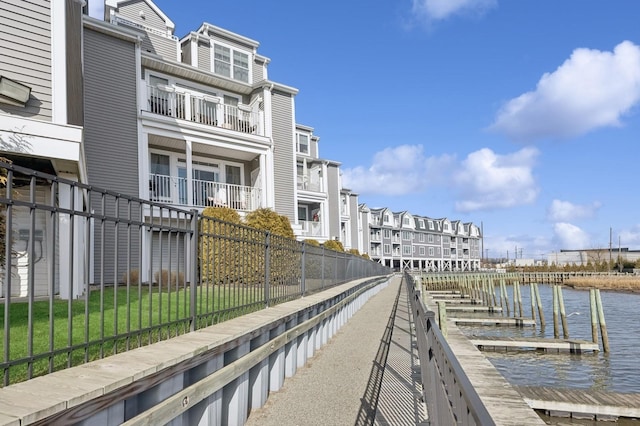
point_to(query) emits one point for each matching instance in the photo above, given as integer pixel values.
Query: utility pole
(610, 237)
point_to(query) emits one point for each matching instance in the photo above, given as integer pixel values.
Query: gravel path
(335, 386)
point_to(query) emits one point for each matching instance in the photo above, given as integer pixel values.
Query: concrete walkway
(365, 375)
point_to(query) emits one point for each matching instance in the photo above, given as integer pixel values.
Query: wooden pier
(539, 344)
(498, 321)
(472, 308)
(581, 403)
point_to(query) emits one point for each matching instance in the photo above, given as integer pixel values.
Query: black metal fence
(87, 272)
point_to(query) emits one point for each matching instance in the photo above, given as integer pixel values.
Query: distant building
(585, 256)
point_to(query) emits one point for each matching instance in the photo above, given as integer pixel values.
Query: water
(617, 371)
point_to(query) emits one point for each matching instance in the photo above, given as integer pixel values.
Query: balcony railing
(203, 109)
(173, 190)
(305, 183)
(311, 228)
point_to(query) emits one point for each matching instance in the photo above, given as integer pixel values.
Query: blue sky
(523, 115)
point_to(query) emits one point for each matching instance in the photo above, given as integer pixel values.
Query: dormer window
(303, 144)
(230, 63)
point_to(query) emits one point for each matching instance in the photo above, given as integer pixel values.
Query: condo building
(191, 121)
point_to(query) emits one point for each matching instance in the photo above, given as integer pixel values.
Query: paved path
(344, 382)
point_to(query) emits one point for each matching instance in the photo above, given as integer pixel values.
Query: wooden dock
(539, 344)
(581, 403)
(499, 321)
(472, 308)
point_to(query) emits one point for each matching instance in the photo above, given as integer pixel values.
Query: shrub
(285, 257)
(334, 245)
(219, 245)
(312, 242)
(354, 252)
(268, 220)
(133, 276)
(162, 278)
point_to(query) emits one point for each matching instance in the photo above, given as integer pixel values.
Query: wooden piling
(540, 309)
(556, 330)
(603, 325)
(563, 315)
(532, 294)
(442, 318)
(594, 315)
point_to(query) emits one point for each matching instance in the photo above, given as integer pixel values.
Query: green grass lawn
(111, 321)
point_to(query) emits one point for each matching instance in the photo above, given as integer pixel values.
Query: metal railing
(204, 193)
(203, 109)
(89, 272)
(311, 228)
(450, 396)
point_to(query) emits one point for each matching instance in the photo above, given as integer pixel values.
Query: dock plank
(565, 345)
(517, 322)
(583, 401)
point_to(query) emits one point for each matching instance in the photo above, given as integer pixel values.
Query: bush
(219, 245)
(312, 242)
(162, 278)
(284, 250)
(334, 245)
(354, 251)
(268, 220)
(133, 276)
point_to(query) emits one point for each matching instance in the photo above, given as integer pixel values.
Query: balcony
(203, 109)
(173, 190)
(311, 228)
(307, 183)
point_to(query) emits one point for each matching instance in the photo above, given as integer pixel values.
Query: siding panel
(163, 46)
(204, 56)
(284, 155)
(111, 146)
(151, 18)
(25, 52)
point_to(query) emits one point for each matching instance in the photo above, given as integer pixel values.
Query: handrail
(448, 392)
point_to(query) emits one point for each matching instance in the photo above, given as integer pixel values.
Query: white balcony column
(189, 154)
(71, 271)
(143, 170)
(268, 185)
(187, 106)
(58, 63)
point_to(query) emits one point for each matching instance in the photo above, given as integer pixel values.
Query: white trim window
(387, 249)
(421, 251)
(431, 252)
(302, 143)
(231, 63)
(406, 250)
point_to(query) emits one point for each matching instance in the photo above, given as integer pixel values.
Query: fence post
(303, 287)
(267, 267)
(195, 233)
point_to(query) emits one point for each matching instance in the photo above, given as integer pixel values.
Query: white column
(58, 62)
(189, 152)
(71, 273)
(301, 356)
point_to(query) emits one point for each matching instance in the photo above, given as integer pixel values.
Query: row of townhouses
(123, 103)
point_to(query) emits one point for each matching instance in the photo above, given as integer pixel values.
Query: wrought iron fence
(87, 272)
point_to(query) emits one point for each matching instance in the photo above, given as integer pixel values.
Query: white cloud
(434, 10)
(570, 236)
(397, 171)
(564, 211)
(96, 9)
(589, 90)
(630, 237)
(487, 180)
